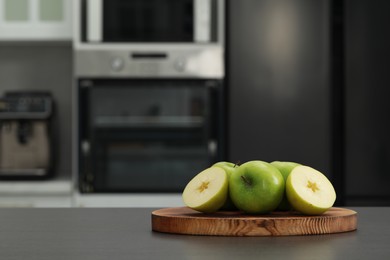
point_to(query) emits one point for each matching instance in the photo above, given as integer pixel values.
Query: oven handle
(149, 55)
(215, 120)
(149, 121)
(213, 148)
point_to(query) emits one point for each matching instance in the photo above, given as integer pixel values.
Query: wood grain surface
(183, 220)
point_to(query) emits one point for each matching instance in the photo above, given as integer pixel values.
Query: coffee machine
(26, 135)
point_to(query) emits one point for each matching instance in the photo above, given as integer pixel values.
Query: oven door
(146, 135)
(149, 21)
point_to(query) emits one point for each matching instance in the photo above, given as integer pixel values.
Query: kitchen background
(304, 81)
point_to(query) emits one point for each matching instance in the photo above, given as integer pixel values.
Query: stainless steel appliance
(150, 102)
(25, 135)
(315, 74)
(149, 38)
(282, 71)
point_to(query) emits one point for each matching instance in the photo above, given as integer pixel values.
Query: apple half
(207, 191)
(309, 191)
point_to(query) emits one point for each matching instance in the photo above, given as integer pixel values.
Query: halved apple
(207, 191)
(309, 191)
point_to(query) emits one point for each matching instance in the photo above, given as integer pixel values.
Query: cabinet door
(367, 125)
(279, 89)
(35, 20)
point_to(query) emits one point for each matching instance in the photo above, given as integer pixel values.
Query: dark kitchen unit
(279, 88)
(308, 83)
(367, 106)
(149, 84)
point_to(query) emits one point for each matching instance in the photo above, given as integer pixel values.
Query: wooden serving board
(184, 220)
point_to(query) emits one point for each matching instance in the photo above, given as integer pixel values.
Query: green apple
(285, 169)
(309, 191)
(229, 168)
(207, 191)
(256, 187)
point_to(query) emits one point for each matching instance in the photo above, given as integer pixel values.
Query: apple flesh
(256, 187)
(285, 169)
(207, 191)
(309, 191)
(229, 169)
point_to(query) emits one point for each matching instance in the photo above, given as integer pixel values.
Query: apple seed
(312, 186)
(203, 186)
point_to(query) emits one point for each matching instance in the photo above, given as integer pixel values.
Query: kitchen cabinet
(308, 82)
(137, 200)
(367, 127)
(26, 194)
(279, 92)
(35, 20)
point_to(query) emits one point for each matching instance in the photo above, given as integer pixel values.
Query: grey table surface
(125, 233)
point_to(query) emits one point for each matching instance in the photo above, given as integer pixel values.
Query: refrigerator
(307, 83)
(367, 106)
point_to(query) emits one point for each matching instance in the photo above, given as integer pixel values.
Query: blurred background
(121, 102)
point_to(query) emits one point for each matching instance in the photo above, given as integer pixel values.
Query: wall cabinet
(35, 20)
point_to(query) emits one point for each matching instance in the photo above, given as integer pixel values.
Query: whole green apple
(285, 169)
(229, 168)
(256, 187)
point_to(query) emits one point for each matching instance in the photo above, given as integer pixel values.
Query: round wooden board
(184, 220)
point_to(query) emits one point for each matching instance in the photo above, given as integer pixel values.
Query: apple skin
(229, 168)
(302, 204)
(285, 169)
(256, 187)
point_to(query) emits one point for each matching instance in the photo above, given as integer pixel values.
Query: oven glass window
(151, 165)
(148, 105)
(151, 136)
(148, 21)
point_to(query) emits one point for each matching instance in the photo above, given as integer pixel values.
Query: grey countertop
(125, 233)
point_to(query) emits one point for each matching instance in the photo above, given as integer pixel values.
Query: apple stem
(236, 164)
(247, 182)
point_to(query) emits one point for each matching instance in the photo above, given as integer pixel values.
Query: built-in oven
(149, 38)
(147, 135)
(149, 92)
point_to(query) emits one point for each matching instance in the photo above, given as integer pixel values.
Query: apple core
(312, 186)
(203, 186)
